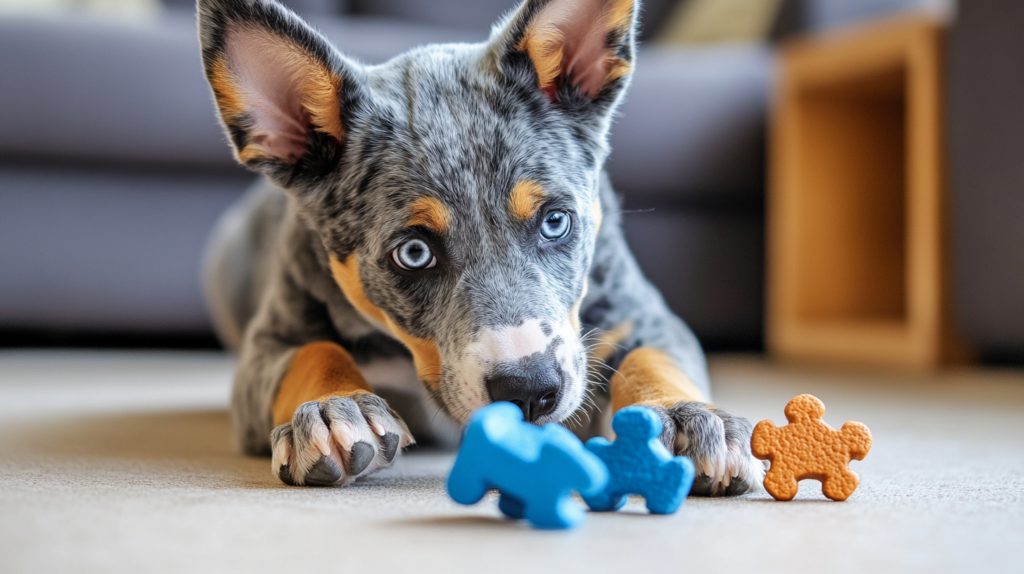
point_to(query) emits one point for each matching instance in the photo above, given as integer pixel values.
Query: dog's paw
(719, 446)
(335, 441)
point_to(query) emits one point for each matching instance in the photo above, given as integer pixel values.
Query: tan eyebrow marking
(430, 213)
(527, 197)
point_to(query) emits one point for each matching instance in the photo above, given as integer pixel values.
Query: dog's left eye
(556, 225)
(414, 255)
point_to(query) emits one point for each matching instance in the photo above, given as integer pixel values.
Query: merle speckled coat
(472, 157)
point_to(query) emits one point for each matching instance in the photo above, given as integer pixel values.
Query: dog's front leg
(716, 441)
(329, 426)
(300, 396)
(654, 360)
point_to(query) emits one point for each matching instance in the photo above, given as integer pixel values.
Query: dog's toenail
(359, 459)
(285, 474)
(391, 441)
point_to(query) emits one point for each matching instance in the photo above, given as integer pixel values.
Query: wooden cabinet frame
(856, 206)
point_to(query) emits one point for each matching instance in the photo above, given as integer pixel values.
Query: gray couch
(113, 169)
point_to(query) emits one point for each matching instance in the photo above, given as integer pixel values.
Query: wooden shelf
(856, 210)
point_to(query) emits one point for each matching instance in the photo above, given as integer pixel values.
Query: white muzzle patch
(509, 344)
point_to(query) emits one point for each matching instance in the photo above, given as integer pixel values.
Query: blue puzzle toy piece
(535, 469)
(640, 464)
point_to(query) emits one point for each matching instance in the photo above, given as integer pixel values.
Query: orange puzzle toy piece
(809, 448)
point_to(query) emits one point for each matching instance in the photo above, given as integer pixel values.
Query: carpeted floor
(124, 463)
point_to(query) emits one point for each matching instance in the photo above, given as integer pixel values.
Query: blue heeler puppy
(446, 237)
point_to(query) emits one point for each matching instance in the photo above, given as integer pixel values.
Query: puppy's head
(454, 187)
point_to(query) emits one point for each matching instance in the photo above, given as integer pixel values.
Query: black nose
(535, 391)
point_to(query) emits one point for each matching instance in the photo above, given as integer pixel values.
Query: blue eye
(556, 225)
(414, 255)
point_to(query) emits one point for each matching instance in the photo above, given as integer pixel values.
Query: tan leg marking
(430, 213)
(318, 371)
(527, 197)
(606, 341)
(650, 377)
(425, 354)
(601, 350)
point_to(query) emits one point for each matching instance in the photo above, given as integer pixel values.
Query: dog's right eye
(414, 255)
(556, 225)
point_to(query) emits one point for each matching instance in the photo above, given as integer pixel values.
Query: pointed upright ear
(574, 47)
(280, 87)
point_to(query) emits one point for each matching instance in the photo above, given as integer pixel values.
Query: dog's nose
(535, 393)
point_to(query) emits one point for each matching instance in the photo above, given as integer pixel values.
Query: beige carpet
(124, 463)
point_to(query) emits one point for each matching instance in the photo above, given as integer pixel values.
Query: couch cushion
(481, 14)
(115, 250)
(692, 126)
(301, 7)
(826, 14)
(94, 89)
(374, 40)
(471, 14)
(709, 267)
(86, 88)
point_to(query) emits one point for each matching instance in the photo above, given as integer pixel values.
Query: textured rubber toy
(639, 464)
(535, 469)
(809, 448)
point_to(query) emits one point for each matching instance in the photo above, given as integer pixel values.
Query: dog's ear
(282, 90)
(572, 49)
